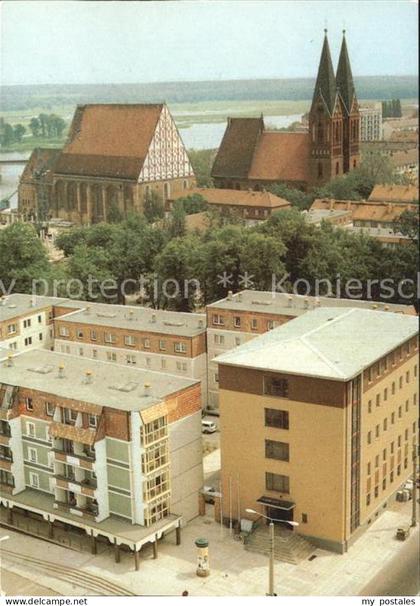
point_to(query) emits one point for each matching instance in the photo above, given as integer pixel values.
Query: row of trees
(225, 257)
(391, 109)
(10, 134)
(47, 126)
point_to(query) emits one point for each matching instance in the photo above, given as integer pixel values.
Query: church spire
(325, 82)
(345, 83)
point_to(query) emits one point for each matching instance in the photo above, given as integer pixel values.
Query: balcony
(70, 458)
(4, 439)
(71, 432)
(84, 487)
(5, 463)
(6, 488)
(89, 511)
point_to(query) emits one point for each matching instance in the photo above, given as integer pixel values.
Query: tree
(297, 198)
(43, 121)
(114, 214)
(19, 130)
(23, 258)
(7, 134)
(192, 204)
(408, 224)
(202, 162)
(176, 221)
(153, 207)
(35, 127)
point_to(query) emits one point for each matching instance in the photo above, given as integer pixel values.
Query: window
(393, 388)
(219, 339)
(63, 331)
(93, 335)
(29, 404)
(180, 347)
(148, 362)
(401, 382)
(399, 441)
(181, 366)
(270, 324)
(40, 336)
(276, 418)
(237, 341)
(384, 484)
(34, 480)
(11, 329)
(32, 455)
(392, 447)
(94, 353)
(130, 340)
(407, 376)
(406, 405)
(376, 491)
(399, 412)
(392, 418)
(39, 319)
(81, 351)
(131, 359)
(368, 469)
(406, 434)
(146, 343)
(415, 370)
(377, 431)
(216, 377)
(385, 424)
(276, 387)
(26, 323)
(218, 320)
(377, 461)
(111, 356)
(79, 333)
(28, 341)
(384, 454)
(378, 399)
(391, 477)
(93, 421)
(163, 363)
(370, 406)
(385, 394)
(49, 409)
(162, 345)
(276, 450)
(368, 499)
(70, 416)
(277, 482)
(109, 338)
(254, 324)
(304, 518)
(237, 321)
(369, 437)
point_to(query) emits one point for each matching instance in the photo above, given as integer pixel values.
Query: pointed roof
(235, 154)
(325, 82)
(345, 85)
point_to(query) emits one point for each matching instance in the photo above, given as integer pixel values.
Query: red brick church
(251, 157)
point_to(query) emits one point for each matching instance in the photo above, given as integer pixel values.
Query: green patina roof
(325, 82)
(345, 85)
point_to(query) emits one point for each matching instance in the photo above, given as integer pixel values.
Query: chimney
(240, 297)
(147, 389)
(290, 301)
(61, 374)
(306, 303)
(386, 308)
(89, 378)
(153, 318)
(229, 295)
(33, 301)
(9, 360)
(4, 300)
(130, 314)
(317, 302)
(200, 323)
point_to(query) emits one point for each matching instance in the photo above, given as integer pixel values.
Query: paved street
(235, 571)
(14, 584)
(401, 575)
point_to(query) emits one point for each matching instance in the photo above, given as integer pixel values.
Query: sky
(66, 42)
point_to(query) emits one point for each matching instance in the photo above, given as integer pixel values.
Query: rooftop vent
(174, 323)
(153, 319)
(290, 301)
(200, 323)
(147, 389)
(13, 306)
(33, 301)
(61, 374)
(130, 314)
(239, 297)
(229, 295)
(9, 361)
(42, 370)
(4, 300)
(125, 387)
(88, 377)
(105, 315)
(260, 302)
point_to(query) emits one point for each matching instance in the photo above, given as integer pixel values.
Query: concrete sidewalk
(234, 571)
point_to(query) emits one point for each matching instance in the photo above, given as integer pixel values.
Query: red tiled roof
(386, 212)
(236, 197)
(394, 193)
(282, 156)
(109, 140)
(236, 151)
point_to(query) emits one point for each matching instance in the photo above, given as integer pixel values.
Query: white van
(208, 426)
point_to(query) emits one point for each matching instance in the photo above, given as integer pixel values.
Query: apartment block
(319, 419)
(245, 315)
(163, 341)
(110, 449)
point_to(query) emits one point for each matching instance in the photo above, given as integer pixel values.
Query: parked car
(208, 426)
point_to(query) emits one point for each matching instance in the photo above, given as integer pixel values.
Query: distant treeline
(26, 97)
(391, 109)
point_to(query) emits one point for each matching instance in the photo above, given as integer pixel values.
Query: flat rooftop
(330, 343)
(20, 304)
(286, 304)
(145, 319)
(112, 385)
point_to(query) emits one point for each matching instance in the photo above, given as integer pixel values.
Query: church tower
(350, 108)
(326, 123)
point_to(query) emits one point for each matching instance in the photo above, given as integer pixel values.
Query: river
(199, 135)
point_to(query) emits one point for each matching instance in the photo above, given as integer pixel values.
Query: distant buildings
(394, 193)
(251, 206)
(318, 421)
(371, 123)
(116, 157)
(250, 157)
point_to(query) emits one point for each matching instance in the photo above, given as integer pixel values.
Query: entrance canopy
(276, 503)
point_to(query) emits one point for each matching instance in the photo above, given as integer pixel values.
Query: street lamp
(271, 560)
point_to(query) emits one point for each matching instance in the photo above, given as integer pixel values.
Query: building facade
(371, 123)
(35, 184)
(251, 157)
(99, 446)
(319, 419)
(117, 157)
(243, 316)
